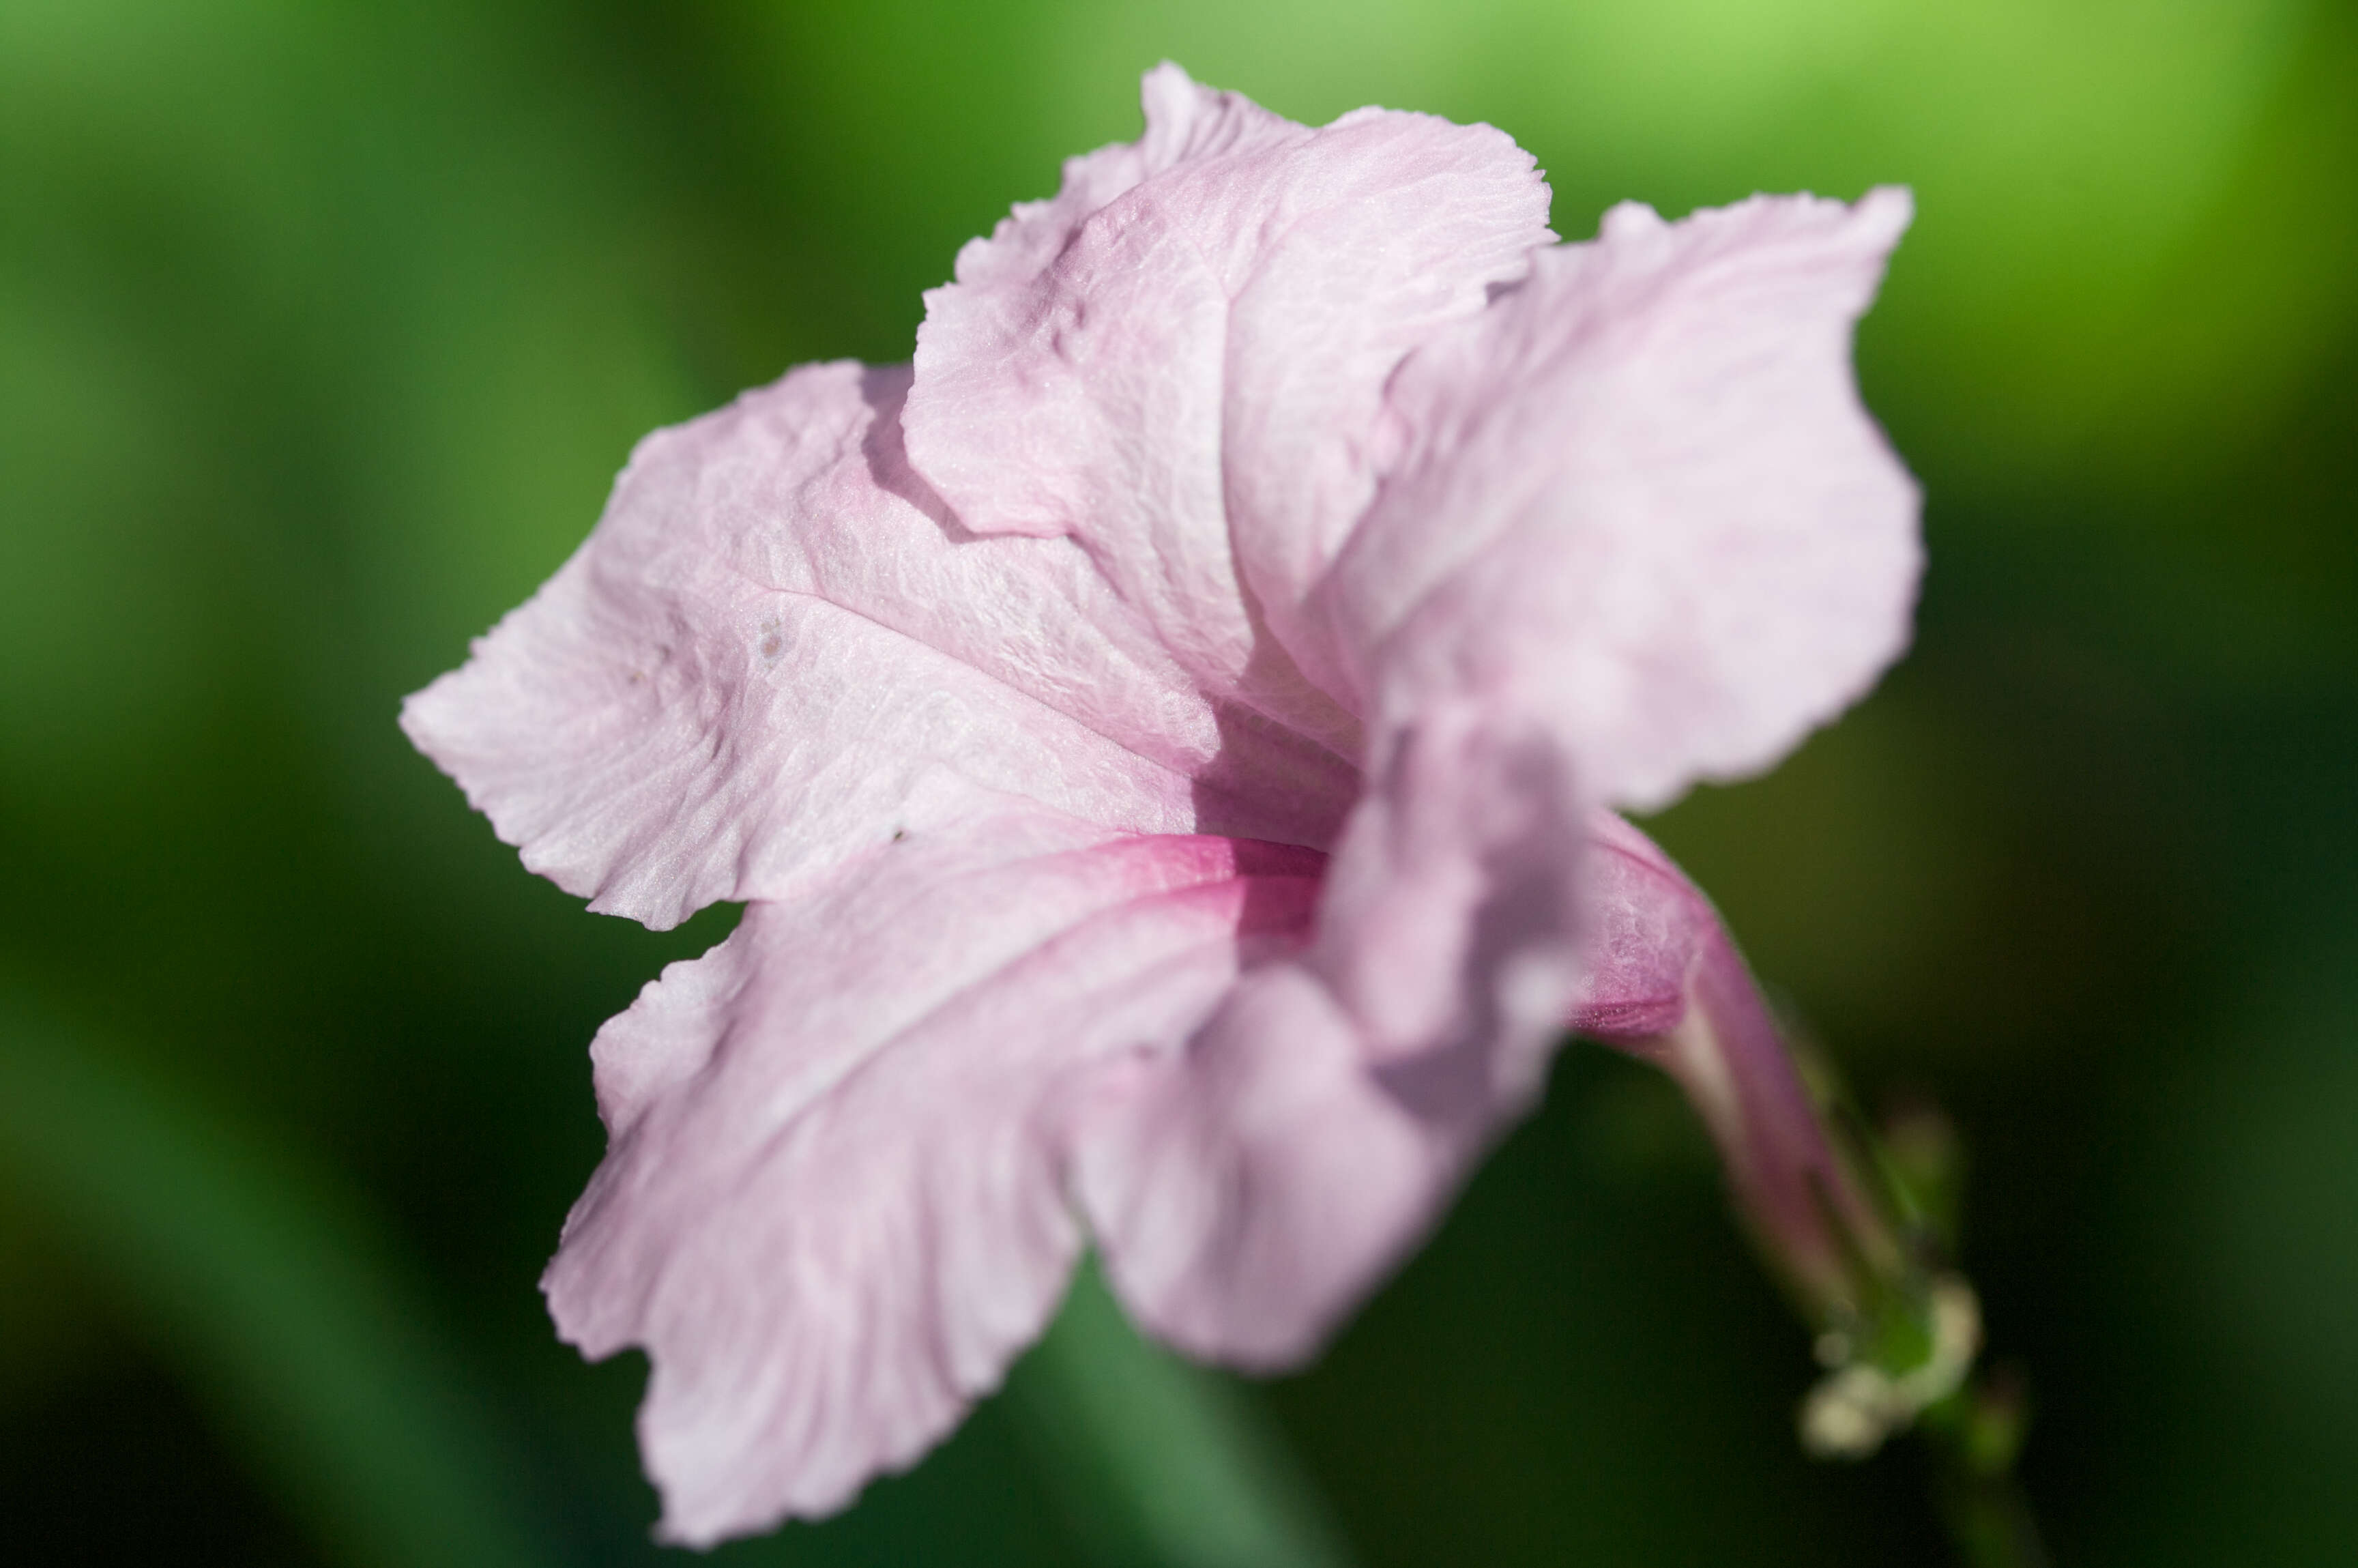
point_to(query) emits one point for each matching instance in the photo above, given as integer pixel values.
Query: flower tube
(1897, 1333)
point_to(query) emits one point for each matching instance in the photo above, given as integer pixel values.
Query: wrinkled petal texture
(1180, 361)
(836, 1201)
(1641, 503)
(1640, 529)
(1262, 1182)
(1162, 735)
(776, 650)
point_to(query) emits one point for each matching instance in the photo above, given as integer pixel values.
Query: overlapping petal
(835, 1202)
(778, 650)
(1639, 529)
(1252, 1189)
(1186, 374)
(1266, 481)
(1641, 501)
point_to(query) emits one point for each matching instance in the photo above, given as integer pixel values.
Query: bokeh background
(322, 332)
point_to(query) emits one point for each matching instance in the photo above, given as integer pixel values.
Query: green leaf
(1161, 1462)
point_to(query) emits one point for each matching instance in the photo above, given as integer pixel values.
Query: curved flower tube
(1666, 984)
(1158, 737)
(1897, 1332)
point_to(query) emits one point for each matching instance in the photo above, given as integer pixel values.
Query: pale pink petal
(835, 1203)
(1249, 1193)
(1639, 501)
(1641, 529)
(1075, 364)
(778, 650)
(1191, 371)
(1185, 122)
(1401, 225)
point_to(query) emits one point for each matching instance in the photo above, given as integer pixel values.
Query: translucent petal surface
(1641, 529)
(778, 650)
(1250, 1195)
(835, 1203)
(1646, 929)
(1640, 500)
(1186, 374)
(1267, 485)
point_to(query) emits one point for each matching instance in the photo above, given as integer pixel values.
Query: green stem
(1972, 1441)
(1162, 1463)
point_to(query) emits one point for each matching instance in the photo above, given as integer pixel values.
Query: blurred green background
(322, 332)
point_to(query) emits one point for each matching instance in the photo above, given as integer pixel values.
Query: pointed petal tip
(1627, 220)
(1162, 83)
(1892, 204)
(701, 1515)
(428, 716)
(1878, 219)
(1875, 222)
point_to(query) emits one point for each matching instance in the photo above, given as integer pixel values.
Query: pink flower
(1157, 738)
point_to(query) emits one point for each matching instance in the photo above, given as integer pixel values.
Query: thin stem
(1972, 1441)
(1162, 1463)
(1858, 1223)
